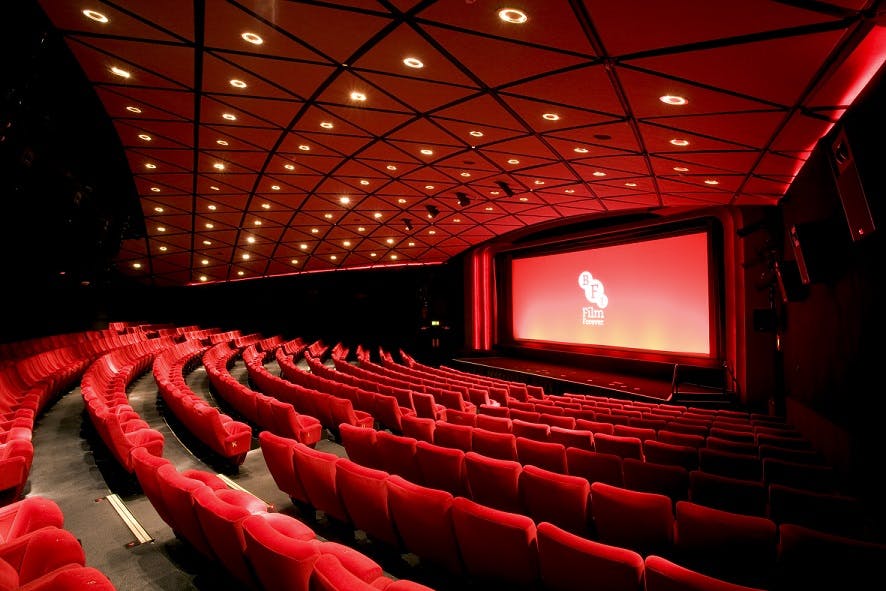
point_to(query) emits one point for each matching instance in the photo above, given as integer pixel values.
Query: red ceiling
(563, 109)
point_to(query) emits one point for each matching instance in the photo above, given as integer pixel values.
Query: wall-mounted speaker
(819, 250)
(850, 188)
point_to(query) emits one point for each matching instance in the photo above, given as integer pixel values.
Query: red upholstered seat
(581, 438)
(28, 514)
(359, 444)
(491, 423)
(278, 453)
(364, 494)
(496, 545)
(731, 464)
(450, 435)
(671, 454)
(594, 466)
(423, 519)
(729, 494)
(494, 482)
(316, 469)
(397, 455)
(419, 428)
(664, 575)
(530, 430)
(550, 456)
(558, 498)
(441, 467)
(568, 562)
(276, 548)
(494, 445)
(619, 445)
(671, 481)
(639, 521)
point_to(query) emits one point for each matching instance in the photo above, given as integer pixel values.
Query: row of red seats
(37, 553)
(260, 548)
(388, 405)
(466, 536)
(330, 410)
(223, 435)
(454, 468)
(264, 412)
(103, 388)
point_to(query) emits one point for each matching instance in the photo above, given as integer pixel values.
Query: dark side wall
(833, 327)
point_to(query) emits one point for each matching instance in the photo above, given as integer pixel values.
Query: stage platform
(557, 378)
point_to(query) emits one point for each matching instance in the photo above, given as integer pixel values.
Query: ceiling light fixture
(413, 62)
(252, 38)
(344, 200)
(358, 96)
(679, 142)
(711, 182)
(120, 72)
(551, 117)
(476, 133)
(671, 99)
(426, 152)
(513, 16)
(238, 83)
(132, 109)
(229, 116)
(95, 15)
(289, 166)
(327, 124)
(145, 137)
(681, 169)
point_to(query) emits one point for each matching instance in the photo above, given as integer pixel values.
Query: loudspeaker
(850, 188)
(819, 250)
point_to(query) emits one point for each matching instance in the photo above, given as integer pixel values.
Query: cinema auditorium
(447, 295)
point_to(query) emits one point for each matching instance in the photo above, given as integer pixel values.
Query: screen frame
(711, 226)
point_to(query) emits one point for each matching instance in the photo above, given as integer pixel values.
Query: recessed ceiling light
(465, 174)
(237, 83)
(393, 257)
(513, 161)
(630, 184)
(344, 200)
(391, 167)
(95, 15)
(327, 124)
(570, 191)
(304, 147)
(524, 198)
(476, 133)
(132, 109)
(275, 187)
(377, 215)
(161, 229)
(679, 142)
(671, 99)
(361, 229)
(426, 151)
(120, 72)
(495, 192)
(599, 173)
(456, 220)
(250, 239)
(229, 116)
(145, 137)
(221, 142)
(155, 189)
(214, 188)
(539, 182)
(401, 201)
(328, 216)
(488, 208)
(333, 257)
(512, 15)
(315, 230)
(303, 246)
(204, 278)
(711, 182)
(256, 223)
(204, 262)
(266, 206)
(432, 232)
(551, 117)
(211, 207)
(136, 265)
(580, 150)
(390, 240)
(240, 273)
(430, 187)
(372, 254)
(681, 169)
(245, 256)
(163, 249)
(218, 166)
(358, 96)
(294, 261)
(413, 62)
(207, 243)
(289, 166)
(158, 209)
(150, 165)
(346, 243)
(209, 226)
(252, 38)
(364, 182)
(412, 244)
